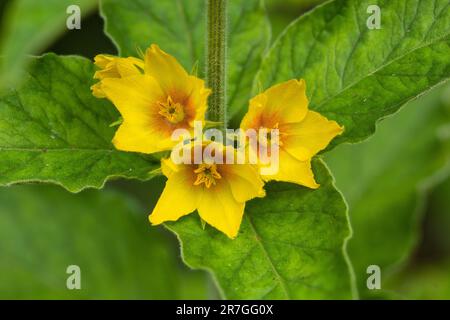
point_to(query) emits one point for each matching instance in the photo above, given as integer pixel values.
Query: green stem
(216, 60)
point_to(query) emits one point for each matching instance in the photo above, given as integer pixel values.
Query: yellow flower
(155, 103)
(114, 67)
(302, 133)
(217, 191)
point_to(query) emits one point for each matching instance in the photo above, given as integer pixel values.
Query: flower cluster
(156, 96)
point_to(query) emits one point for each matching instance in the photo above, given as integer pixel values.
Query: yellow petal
(294, 171)
(166, 69)
(177, 199)
(135, 137)
(219, 208)
(244, 180)
(102, 60)
(283, 103)
(115, 67)
(198, 98)
(168, 167)
(305, 139)
(253, 118)
(128, 66)
(97, 90)
(135, 97)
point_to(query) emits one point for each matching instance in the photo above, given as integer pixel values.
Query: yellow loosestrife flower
(153, 103)
(302, 133)
(217, 191)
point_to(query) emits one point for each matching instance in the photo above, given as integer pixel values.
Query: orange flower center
(207, 174)
(172, 111)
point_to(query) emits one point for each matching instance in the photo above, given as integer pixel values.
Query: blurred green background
(44, 229)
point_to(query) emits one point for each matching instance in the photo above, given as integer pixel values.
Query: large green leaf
(356, 75)
(290, 246)
(178, 27)
(28, 27)
(43, 230)
(384, 180)
(53, 130)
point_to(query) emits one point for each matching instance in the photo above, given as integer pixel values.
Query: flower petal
(219, 208)
(245, 181)
(135, 97)
(102, 60)
(168, 167)
(177, 199)
(285, 103)
(198, 98)
(129, 66)
(305, 139)
(97, 90)
(166, 69)
(115, 67)
(253, 118)
(294, 171)
(138, 137)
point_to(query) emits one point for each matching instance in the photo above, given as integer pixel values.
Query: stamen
(173, 112)
(207, 174)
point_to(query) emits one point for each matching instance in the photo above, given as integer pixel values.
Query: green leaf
(43, 230)
(384, 180)
(355, 75)
(290, 245)
(53, 130)
(178, 27)
(28, 27)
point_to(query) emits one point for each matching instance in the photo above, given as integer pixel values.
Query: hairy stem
(216, 60)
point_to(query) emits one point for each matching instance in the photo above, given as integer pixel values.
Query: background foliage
(391, 190)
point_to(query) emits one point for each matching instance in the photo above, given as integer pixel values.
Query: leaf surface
(53, 130)
(356, 75)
